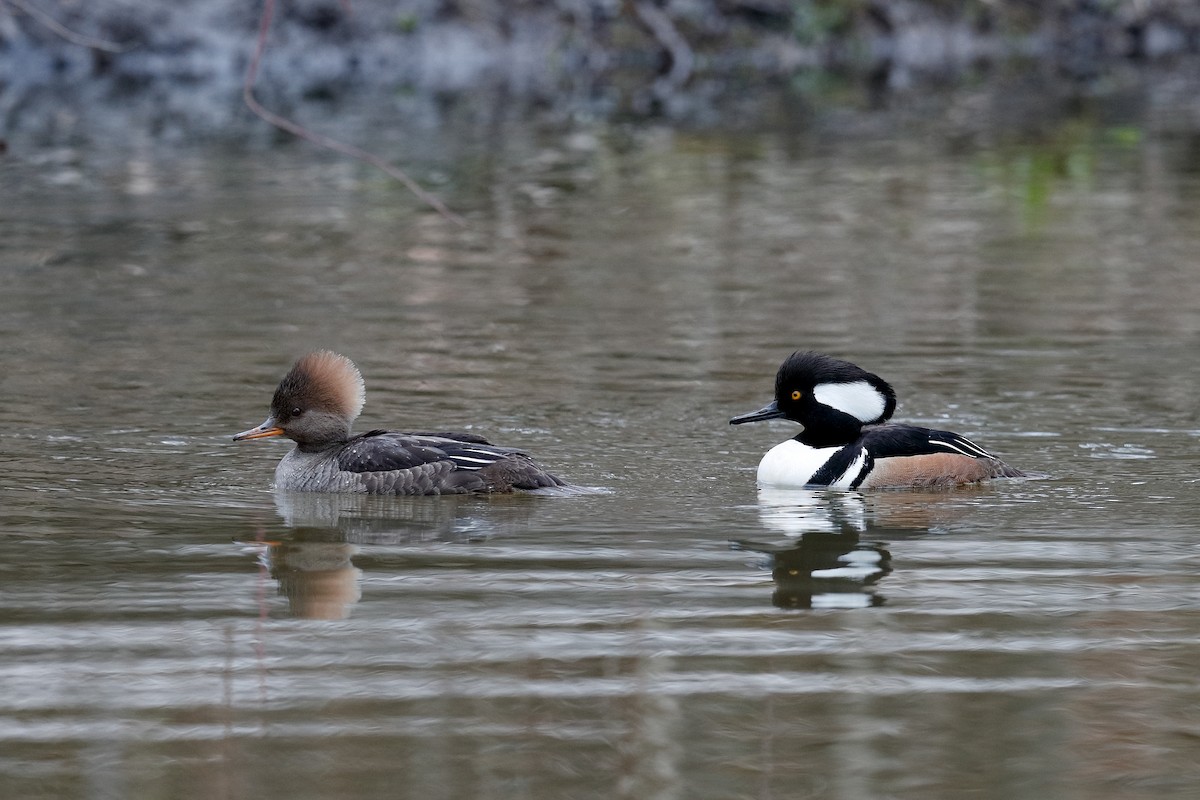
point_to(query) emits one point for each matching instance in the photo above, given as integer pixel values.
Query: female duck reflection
(316, 576)
(314, 564)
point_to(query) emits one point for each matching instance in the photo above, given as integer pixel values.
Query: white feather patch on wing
(480, 460)
(964, 446)
(858, 399)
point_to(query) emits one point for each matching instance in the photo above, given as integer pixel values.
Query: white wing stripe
(491, 455)
(469, 460)
(964, 446)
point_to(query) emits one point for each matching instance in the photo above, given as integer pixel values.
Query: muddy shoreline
(176, 69)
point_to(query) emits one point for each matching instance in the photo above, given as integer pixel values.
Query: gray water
(170, 627)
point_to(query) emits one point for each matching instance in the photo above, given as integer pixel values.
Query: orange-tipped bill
(268, 428)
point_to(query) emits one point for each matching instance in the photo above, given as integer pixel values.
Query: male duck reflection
(318, 401)
(846, 444)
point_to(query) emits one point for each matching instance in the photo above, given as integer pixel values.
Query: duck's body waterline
(316, 404)
(847, 442)
(783, 462)
(298, 471)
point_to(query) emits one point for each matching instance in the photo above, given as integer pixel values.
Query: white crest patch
(858, 399)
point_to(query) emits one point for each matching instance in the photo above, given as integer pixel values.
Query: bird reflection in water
(834, 553)
(313, 563)
(317, 577)
(825, 563)
(825, 570)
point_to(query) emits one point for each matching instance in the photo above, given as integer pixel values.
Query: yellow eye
(795, 394)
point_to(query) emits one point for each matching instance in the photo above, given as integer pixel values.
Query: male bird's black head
(830, 397)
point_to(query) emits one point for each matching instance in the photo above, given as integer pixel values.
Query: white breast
(791, 464)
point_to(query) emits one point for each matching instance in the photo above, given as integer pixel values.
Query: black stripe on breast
(837, 464)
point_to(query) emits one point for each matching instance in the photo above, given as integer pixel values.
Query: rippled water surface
(170, 626)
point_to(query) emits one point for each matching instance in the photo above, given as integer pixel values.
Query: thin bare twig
(682, 59)
(81, 39)
(320, 139)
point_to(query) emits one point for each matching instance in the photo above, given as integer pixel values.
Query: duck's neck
(829, 436)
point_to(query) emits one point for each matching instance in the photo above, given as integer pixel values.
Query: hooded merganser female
(318, 401)
(846, 444)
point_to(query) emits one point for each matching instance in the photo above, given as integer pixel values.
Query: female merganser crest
(316, 404)
(847, 442)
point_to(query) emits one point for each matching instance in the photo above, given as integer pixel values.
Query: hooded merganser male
(318, 401)
(846, 444)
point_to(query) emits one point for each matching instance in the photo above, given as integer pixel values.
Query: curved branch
(321, 140)
(81, 39)
(661, 27)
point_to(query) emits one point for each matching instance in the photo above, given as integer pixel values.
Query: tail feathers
(518, 472)
(1005, 471)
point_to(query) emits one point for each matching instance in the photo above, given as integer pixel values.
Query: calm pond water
(170, 627)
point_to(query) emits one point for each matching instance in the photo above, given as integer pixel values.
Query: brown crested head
(316, 402)
(321, 381)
